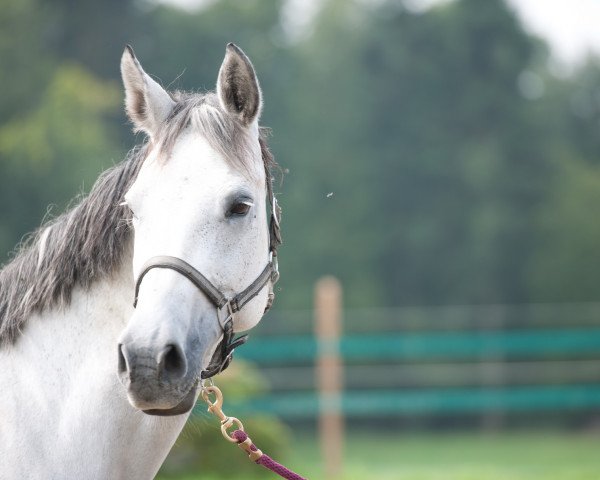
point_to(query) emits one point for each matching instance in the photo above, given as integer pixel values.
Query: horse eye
(240, 208)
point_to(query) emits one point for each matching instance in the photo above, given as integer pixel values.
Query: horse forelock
(203, 114)
(87, 243)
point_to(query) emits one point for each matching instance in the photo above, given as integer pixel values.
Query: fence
(490, 359)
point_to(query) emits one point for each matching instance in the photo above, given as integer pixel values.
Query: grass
(534, 456)
(506, 456)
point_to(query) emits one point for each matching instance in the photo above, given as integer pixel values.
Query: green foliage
(419, 131)
(201, 448)
(48, 154)
(566, 264)
(67, 125)
(420, 171)
(25, 63)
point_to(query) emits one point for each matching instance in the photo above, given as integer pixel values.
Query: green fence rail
(411, 346)
(406, 349)
(431, 402)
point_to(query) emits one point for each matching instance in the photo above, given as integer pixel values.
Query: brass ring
(228, 423)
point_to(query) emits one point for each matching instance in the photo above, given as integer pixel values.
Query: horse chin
(182, 407)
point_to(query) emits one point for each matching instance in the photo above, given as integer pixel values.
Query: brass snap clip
(215, 406)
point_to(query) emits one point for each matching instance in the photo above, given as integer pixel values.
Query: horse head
(200, 202)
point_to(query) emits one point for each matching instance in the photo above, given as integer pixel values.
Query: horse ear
(237, 86)
(147, 104)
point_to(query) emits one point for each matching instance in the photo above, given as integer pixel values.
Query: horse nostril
(171, 362)
(122, 363)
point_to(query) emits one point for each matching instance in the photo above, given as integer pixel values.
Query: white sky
(571, 27)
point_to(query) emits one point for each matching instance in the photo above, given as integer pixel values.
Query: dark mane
(77, 248)
(87, 243)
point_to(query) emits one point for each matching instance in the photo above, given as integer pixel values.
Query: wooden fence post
(328, 330)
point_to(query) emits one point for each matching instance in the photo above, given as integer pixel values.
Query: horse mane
(87, 243)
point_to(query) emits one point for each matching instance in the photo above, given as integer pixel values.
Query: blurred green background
(437, 162)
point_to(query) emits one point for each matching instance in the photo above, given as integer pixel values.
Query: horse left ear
(147, 104)
(237, 86)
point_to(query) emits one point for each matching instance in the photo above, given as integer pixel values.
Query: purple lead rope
(265, 460)
(239, 436)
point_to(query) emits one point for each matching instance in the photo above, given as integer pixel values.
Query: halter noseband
(227, 307)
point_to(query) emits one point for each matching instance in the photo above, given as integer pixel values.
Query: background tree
(433, 157)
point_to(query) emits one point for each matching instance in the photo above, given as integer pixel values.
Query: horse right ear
(147, 104)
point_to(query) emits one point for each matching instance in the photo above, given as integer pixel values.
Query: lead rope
(239, 436)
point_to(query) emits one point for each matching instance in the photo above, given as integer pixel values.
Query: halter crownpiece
(227, 307)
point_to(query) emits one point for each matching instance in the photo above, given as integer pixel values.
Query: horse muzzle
(160, 379)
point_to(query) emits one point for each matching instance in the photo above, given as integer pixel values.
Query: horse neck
(59, 386)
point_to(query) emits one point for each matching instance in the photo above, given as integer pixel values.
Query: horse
(113, 313)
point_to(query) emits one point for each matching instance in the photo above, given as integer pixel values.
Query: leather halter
(227, 307)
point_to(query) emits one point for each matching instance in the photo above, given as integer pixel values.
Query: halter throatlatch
(227, 307)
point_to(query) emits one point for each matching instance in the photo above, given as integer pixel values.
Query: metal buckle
(274, 266)
(229, 314)
(275, 211)
(270, 300)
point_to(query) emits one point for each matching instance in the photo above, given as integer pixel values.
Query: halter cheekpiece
(227, 307)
